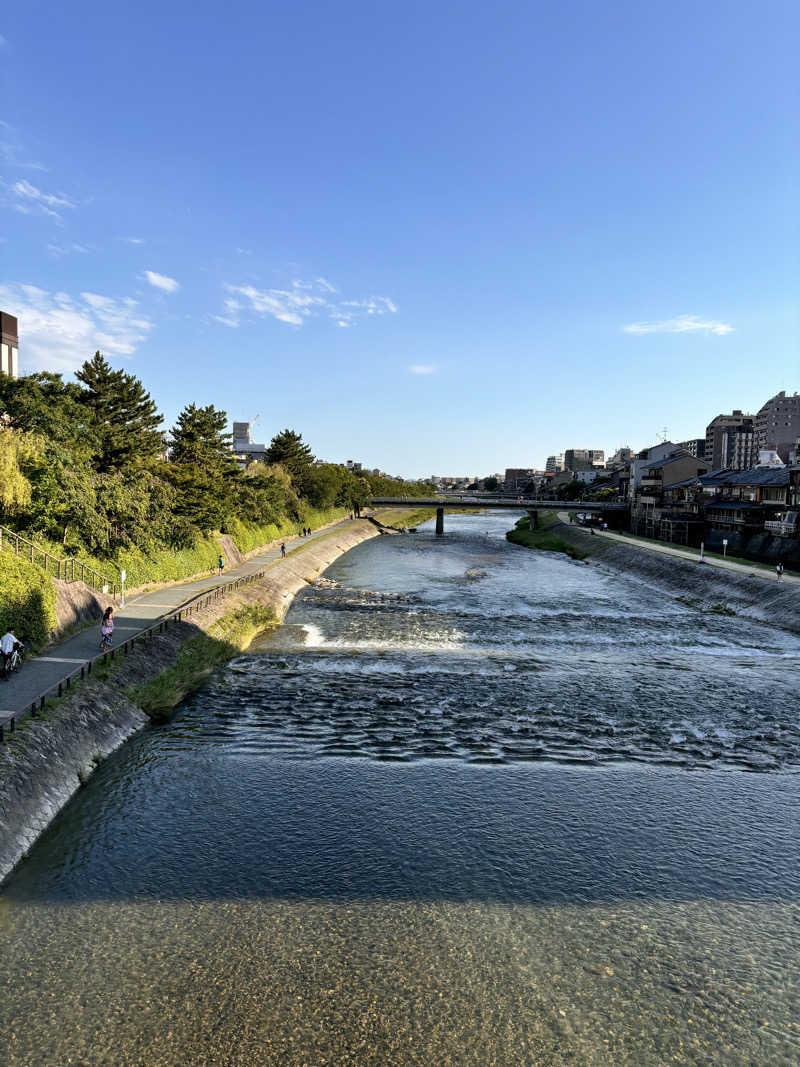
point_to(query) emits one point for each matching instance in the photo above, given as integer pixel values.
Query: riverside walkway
(670, 550)
(41, 672)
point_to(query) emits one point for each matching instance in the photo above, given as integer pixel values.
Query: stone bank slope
(49, 757)
(698, 584)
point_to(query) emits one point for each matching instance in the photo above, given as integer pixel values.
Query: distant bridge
(532, 506)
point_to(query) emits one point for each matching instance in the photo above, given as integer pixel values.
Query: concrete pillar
(440, 522)
(534, 516)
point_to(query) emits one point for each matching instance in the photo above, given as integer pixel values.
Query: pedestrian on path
(106, 629)
(220, 564)
(779, 571)
(283, 551)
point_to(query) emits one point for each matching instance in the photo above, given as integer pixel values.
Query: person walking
(221, 564)
(106, 629)
(283, 551)
(779, 571)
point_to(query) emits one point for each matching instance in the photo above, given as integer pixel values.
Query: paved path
(670, 550)
(43, 671)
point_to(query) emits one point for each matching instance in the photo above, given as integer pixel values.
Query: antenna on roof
(662, 437)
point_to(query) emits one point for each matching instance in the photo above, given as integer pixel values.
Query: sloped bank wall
(50, 756)
(702, 585)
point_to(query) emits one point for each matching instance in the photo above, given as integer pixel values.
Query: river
(474, 805)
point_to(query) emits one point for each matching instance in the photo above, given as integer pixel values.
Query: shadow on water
(155, 826)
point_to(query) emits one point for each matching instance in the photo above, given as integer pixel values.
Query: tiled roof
(763, 476)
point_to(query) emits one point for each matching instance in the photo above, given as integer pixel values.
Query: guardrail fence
(69, 569)
(185, 611)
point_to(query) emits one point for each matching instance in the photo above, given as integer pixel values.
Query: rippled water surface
(473, 805)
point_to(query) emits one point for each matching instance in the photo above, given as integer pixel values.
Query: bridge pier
(440, 522)
(534, 517)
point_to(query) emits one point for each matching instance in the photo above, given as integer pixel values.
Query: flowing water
(474, 805)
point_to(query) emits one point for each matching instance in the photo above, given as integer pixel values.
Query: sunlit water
(476, 805)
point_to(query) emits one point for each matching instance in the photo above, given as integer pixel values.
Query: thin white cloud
(161, 281)
(133, 240)
(65, 250)
(29, 200)
(12, 152)
(681, 324)
(58, 332)
(303, 300)
(423, 368)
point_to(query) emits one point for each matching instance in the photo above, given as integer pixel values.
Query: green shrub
(27, 600)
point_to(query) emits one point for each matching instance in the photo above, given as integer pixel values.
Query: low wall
(48, 757)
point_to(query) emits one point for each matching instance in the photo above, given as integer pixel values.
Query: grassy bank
(27, 600)
(546, 538)
(400, 519)
(174, 565)
(199, 656)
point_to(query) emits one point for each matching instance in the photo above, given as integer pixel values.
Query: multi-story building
(518, 478)
(555, 464)
(622, 456)
(731, 442)
(9, 345)
(576, 459)
(777, 424)
(695, 446)
(246, 450)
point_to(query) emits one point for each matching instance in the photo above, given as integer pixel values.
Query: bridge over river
(617, 512)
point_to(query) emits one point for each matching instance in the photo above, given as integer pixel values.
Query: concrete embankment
(698, 585)
(48, 757)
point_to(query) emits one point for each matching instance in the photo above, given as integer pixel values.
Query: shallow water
(476, 805)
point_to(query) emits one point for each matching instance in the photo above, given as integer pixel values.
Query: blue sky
(438, 238)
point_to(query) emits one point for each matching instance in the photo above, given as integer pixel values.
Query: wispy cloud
(133, 240)
(65, 250)
(423, 368)
(161, 281)
(12, 152)
(29, 200)
(58, 332)
(301, 301)
(681, 324)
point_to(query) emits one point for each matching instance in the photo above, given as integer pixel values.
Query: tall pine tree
(203, 469)
(290, 450)
(123, 415)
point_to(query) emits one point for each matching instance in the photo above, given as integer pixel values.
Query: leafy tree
(490, 484)
(64, 501)
(45, 405)
(123, 414)
(16, 450)
(290, 451)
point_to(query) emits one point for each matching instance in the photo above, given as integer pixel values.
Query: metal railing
(185, 611)
(68, 570)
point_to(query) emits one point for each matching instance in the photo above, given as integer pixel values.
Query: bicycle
(13, 662)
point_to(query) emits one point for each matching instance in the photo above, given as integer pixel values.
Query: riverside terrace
(617, 513)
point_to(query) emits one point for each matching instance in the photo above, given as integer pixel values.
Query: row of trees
(85, 463)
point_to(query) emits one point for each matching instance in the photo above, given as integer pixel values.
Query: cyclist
(106, 629)
(9, 644)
